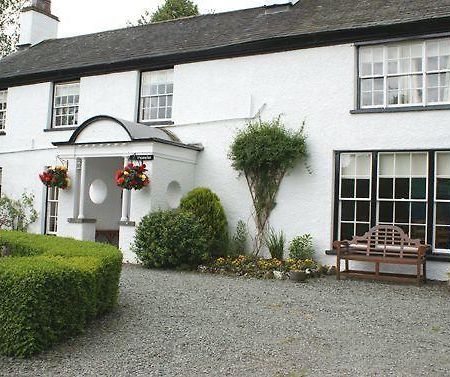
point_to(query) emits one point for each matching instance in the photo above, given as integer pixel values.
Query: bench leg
(425, 271)
(419, 275)
(346, 265)
(377, 269)
(338, 268)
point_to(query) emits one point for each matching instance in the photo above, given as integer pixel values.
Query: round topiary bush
(51, 287)
(167, 239)
(206, 206)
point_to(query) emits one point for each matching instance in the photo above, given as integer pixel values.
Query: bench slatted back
(385, 241)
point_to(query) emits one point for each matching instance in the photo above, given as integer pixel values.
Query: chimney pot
(44, 5)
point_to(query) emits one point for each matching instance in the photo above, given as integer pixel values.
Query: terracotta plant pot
(297, 275)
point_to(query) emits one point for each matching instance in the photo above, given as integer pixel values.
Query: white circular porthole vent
(98, 191)
(173, 194)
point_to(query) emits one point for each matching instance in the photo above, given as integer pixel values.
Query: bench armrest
(340, 246)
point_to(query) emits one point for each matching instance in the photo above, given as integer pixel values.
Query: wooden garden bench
(382, 244)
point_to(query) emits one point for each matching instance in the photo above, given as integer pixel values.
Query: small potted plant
(132, 177)
(55, 176)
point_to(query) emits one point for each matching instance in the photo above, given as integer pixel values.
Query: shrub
(275, 243)
(17, 214)
(167, 239)
(51, 287)
(206, 206)
(301, 248)
(239, 241)
(264, 152)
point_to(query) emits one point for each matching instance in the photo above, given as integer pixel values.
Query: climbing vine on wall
(264, 152)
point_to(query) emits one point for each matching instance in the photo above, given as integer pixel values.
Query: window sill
(400, 109)
(436, 257)
(60, 129)
(156, 123)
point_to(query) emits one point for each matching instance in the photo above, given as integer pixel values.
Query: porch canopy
(95, 150)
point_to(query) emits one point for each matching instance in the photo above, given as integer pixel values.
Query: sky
(90, 16)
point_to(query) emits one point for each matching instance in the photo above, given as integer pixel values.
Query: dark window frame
(52, 106)
(375, 153)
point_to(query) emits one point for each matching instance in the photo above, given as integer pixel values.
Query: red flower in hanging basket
(55, 176)
(132, 177)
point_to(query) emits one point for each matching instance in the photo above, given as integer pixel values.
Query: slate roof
(214, 35)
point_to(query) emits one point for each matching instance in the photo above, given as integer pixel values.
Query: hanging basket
(55, 176)
(132, 177)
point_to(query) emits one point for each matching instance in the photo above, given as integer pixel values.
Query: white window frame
(52, 201)
(436, 201)
(3, 108)
(57, 106)
(355, 199)
(424, 72)
(410, 176)
(146, 95)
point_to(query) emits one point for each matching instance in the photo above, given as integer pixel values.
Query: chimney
(37, 23)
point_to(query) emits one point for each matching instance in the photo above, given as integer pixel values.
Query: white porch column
(125, 200)
(82, 188)
(76, 189)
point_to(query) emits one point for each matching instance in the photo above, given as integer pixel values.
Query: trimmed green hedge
(51, 287)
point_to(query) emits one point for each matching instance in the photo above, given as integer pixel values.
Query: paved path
(185, 324)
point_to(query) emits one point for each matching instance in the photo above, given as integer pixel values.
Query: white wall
(213, 99)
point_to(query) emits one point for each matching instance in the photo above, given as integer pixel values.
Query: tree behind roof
(170, 10)
(9, 25)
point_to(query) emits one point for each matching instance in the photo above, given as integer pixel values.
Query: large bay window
(65, 104)
(156, 96)
(3, 103)
(409, 189)
(413, 73)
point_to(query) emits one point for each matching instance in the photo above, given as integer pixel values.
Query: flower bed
(264, 268)
(51, 287)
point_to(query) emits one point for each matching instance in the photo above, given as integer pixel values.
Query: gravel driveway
(186, 324)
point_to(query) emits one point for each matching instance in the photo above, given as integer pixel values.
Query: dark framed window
(156, 96)
(66, 99)
(409, 189)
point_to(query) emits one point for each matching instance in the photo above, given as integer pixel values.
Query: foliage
(275, 243)
(206, 206)
(17, 214)
(167, 239)
(170, 10)
(301, 247)
(55, 176)
(51, 288)
(258, 267)
(9, 25)
(264, 152)
(239, 240)
(132, 177)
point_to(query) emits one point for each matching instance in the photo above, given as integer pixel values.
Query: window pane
(402, 212)
(348, 188)
(361, 229)
(443, 213)
(402, 188)
(348, 164)
(363, 211)
(347, 231)
(402, 164)
(362, 188)
(418, 212)
(442, 238)
(418, 188)
(443, 188)
(418, 232)
(386, 164)
(419, 164)
(348, 210)
(363, 164)
(443, 164)
(386, 212)
(386, 188)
